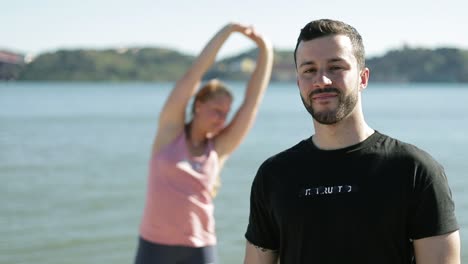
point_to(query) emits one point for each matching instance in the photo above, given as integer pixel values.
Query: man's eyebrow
(336, 60)
(306, 63)
(332, 60)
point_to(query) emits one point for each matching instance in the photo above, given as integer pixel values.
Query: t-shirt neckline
(368, 142)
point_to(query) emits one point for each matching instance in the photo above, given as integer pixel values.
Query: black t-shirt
(361, 204)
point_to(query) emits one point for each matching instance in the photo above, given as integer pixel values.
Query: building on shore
(10, 65)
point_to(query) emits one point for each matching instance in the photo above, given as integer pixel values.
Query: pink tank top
(179, 208)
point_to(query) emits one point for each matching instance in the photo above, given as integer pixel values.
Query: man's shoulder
(404, 150)
(294, 152)
(276, 167)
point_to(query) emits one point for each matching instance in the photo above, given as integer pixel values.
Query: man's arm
(443, 249)
(258, 255)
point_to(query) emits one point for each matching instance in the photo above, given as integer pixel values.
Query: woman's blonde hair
(209, 90)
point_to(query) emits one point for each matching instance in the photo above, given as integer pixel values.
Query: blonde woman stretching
(187, 156)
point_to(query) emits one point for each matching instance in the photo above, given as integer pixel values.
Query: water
(73, 160)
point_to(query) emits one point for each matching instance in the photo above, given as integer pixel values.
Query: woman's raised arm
(172, 115)
(231, 137)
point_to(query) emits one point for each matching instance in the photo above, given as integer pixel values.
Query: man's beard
(346, 104)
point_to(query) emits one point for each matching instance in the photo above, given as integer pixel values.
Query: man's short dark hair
(327, 27)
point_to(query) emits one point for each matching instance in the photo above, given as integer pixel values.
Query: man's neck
(343, 134)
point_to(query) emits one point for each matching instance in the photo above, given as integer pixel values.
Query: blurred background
(81, 86)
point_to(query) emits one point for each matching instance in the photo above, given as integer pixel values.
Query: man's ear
(364, 76)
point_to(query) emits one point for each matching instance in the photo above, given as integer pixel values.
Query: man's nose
(322, 80)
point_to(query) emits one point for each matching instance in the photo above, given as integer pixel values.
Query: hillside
(159, 64)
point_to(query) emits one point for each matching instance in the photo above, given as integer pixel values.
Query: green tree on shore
(161, 64)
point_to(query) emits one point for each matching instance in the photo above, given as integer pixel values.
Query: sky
(33, 27)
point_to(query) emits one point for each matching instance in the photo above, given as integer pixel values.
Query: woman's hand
(251, 33)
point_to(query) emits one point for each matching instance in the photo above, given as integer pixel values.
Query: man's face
(328, 78)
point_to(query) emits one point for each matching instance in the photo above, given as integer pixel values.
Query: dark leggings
(152, 253)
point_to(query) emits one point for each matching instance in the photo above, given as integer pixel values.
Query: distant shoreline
(404, 65)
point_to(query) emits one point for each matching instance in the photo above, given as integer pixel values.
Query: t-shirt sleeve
(432, 211)
(261, 229)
